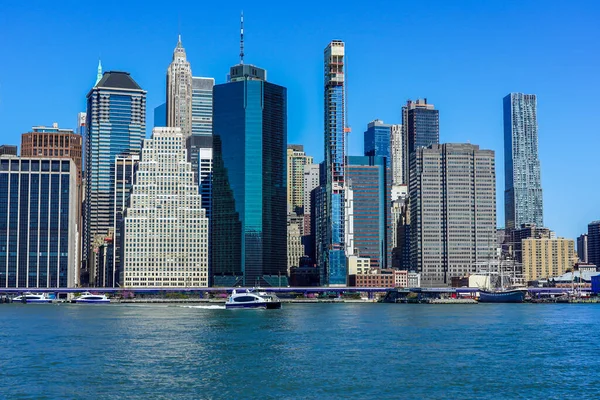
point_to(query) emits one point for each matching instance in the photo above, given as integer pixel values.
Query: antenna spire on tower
(99, 75)
(242, 38)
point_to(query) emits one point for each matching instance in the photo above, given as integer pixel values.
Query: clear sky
(463, 56)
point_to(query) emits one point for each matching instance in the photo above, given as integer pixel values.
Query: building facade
(38, 223)
(200, 154)
(582, 248)
(371, 183)
(330, 235)
(248, 226)
(179, 91)
(8, 150)
(378, 140)
(116, 125)
(452, 211)
(523, 201)
(202, 105)
(296, 161)
(421, 128)
(594, 243)
(53, 142)
(397, 150)
(545, 258)
(165, 232)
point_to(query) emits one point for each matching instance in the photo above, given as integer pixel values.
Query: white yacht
(248, 299)
(32, 298)
(87, 297)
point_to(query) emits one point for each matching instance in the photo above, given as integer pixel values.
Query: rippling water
(309, 351)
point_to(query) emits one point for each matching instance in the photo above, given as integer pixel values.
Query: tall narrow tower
(330, 205)
(179, 91)
(523, 187)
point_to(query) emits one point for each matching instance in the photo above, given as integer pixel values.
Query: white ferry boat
(32, 298)
(87, 297)
(249, 299)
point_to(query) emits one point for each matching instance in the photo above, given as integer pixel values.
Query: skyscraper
(38, 223)
(296, 161)
(421, 124)
(452, 211)
(249, 228)
(397, 150)
(370, 181)
(116, 125)
(582, 248)
(594, 243)
(377, 140)
(166, 229)
(330, 232)
(179, 91)
(523, 187)
(202, 105)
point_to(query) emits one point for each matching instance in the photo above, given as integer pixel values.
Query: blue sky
(464, 56)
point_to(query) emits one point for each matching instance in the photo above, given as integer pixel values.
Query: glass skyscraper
(523, 201)
(330, 236)
(371, 184)
(249, 228)
(377, 140)
(38, 223)
(116, 125)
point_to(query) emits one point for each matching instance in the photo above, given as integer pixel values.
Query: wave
(212, 307)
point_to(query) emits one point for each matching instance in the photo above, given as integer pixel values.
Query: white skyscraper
(166, 229)
(397, 147)
(179, 92)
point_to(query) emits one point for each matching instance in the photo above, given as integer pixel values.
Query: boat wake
(211, 307)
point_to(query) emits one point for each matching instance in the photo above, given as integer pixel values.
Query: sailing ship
(501, 293)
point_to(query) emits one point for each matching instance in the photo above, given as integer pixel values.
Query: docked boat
(32, 298)
(502, 296)
(87, 297)
(249, 299)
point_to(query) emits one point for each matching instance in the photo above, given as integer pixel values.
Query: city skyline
(490, 83)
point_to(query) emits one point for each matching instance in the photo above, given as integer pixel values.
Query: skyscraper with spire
(248, 225)
(179, 91)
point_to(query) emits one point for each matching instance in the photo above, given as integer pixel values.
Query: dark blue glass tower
(377, 140)
(38, 223)
(249, 225)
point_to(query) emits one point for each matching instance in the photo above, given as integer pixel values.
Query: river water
(303, 351)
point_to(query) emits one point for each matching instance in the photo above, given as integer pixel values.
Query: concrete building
(371, 184)
(400, 230)
(452, 211)
(378, 140)
(582, 248)
(165, 232)
(544, 258)
(44, 141)
(330, 234)
(200, 154)
(526, 231)
(296, 162)
(593, 243)
(523, 201)
(39, 236)
(295, 249)
(116, 125)
(179, 91)
(249, 224)
(398, 145)
(358, 265)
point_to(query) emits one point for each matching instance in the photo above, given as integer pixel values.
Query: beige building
(295, 249)
(543, 258)
(296, 160)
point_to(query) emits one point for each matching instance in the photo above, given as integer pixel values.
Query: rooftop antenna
(242, 38)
